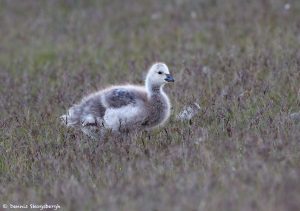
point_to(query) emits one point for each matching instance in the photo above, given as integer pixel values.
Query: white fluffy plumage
(124, 108)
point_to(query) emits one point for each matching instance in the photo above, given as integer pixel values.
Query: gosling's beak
(169, 78)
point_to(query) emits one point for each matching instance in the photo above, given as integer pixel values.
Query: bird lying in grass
(124, 108)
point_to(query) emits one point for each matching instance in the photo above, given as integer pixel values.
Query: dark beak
(169, 78)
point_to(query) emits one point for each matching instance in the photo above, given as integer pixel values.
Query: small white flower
(202, 135)
(287, 6)
(206, 70)
(155, 16)
(188, 112)
(193, 15)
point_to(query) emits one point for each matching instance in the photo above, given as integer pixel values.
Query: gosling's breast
(158, 112)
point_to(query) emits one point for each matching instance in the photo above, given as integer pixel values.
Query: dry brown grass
(239, 60)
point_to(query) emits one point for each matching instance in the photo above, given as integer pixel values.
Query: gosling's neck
(154, 90)
(159, 106)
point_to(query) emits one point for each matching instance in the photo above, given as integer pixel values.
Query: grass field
(239, 60)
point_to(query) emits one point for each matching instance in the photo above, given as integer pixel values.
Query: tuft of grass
(238, 60)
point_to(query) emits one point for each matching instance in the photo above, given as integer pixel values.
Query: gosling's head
(159, 75)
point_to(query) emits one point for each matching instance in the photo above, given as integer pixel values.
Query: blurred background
(239, 60)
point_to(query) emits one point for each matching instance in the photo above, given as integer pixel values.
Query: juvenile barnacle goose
(124, 108)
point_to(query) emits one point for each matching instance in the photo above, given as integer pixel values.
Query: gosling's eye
(160, 72)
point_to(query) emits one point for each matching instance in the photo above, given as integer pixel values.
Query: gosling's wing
(118, 97)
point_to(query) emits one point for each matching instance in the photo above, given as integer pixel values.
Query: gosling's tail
(72, 118)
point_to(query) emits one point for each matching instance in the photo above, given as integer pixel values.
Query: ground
(239, 60)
